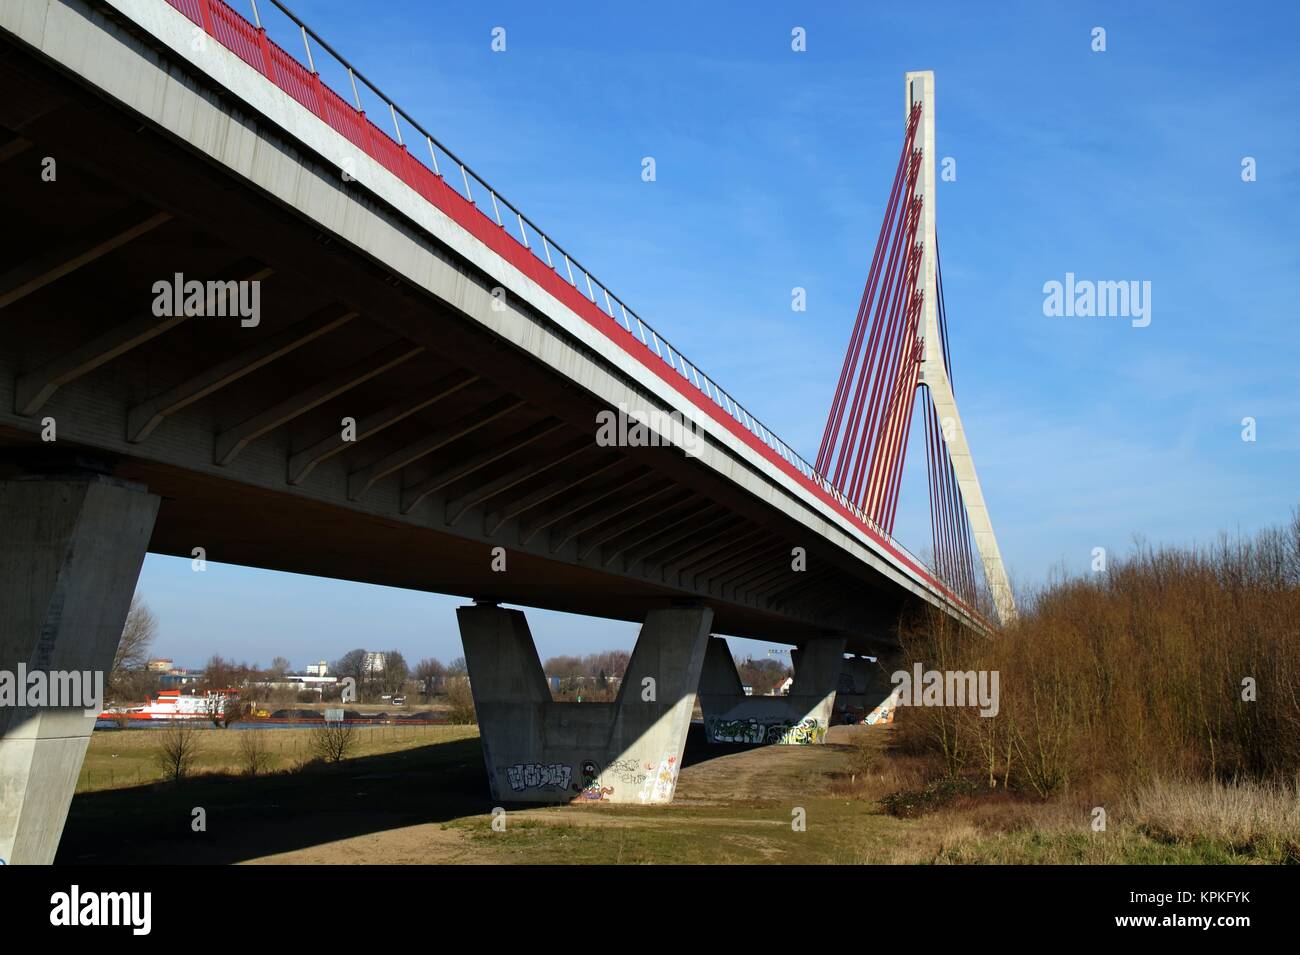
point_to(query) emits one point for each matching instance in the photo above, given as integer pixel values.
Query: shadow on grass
(250, 817)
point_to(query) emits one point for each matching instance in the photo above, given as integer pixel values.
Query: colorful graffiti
(804, 733)
(523, 776)
(590, 788)
(884, 713)
(736, 731)
(660, 784)
(776, 733)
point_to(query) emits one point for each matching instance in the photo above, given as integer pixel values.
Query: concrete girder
(668, 539)
(601, 535)
(303, 462)
(38, 386)
(363, 479)
(493, 520)
(754, 585)
(457, 508)
(667, 552)
(706, 573)
(813, 578)
(413, 495)
(741, 563)
(113, 233)
(142, 419)
(737, 580)
(560, 536)
(668, 521)
(234, 440)
(567, 508)
(744, 535)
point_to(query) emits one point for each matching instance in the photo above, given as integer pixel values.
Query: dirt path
(743, 796)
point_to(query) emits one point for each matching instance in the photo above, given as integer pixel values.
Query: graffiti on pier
(737, 731)
(798, 734)
(884, 713)
(629, 772)
(539, 776)
(590, 788)
(660, 783)
(776, 733)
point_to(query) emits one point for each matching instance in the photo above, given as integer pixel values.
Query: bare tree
(565, 667)
(460, 700)
(228, 711)
(219, 673)
(763, 675)
(393, 677)
(254, 754)
(128, 677)
(430, 674)
(178, 746)
(333, 741)
(352, 665)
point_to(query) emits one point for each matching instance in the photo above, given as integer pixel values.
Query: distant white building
(783, 688)
(318, 669)
(291, 681)
(374, 662)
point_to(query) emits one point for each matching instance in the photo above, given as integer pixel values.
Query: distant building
(783, 688)
(374, 662)
(292, 681)
(159, 666)
(318, 669)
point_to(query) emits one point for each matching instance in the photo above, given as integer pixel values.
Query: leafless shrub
(333, 742)
(1134, 674)
(460, 700)
(254, 754)
(178, 747)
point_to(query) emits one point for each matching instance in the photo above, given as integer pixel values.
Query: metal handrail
(675, 359)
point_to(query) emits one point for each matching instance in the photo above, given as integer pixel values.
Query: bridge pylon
(919, 89)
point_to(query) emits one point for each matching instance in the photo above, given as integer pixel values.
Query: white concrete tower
(919, 87)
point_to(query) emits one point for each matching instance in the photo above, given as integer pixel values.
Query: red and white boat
(173, 705)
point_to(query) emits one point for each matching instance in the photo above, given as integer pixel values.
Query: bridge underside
(464, 442)
(377, 414)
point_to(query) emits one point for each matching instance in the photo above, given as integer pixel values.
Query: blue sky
(772, 171)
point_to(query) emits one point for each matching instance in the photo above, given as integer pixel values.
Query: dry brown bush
(1132, 675)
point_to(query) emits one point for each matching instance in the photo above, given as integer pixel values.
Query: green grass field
(124, 758)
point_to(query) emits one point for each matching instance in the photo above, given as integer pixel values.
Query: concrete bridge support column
(866, 693)
(802, 716)
(539, 750)
(70, 554)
